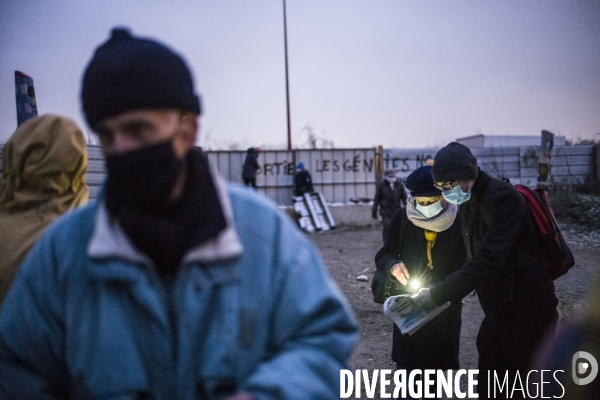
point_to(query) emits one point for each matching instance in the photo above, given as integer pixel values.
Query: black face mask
(142, 179)
(138, 188)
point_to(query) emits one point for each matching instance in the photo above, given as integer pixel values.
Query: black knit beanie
(420, 183)
(455, 162)
(129, 73)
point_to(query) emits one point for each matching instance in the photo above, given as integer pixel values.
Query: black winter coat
(387, 199)
(436, 344)
(302, 183)
(503, 255)
(250, 164)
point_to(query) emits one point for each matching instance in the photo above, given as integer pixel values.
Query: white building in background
(481, 140)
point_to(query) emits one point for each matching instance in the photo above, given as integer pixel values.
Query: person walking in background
(504, 264)
(251, 166)
(302, 181)
(389, 197)
(423, 243)
(173, 284)
(43, 176)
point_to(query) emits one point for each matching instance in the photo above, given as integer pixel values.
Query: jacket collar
(109, 240)
(478, 186)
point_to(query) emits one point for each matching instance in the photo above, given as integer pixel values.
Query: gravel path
(350, 252)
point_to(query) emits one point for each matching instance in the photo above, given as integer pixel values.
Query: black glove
(374, 215)
(423, 300)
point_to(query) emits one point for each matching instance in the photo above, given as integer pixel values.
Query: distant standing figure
(302, 181)
(390, 196)
(251, 166)
(43, 164)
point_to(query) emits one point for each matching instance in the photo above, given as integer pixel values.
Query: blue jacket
(254, 310)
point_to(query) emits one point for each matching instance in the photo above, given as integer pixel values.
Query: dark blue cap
(420, 183)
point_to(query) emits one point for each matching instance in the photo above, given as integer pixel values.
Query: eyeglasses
(447, 185)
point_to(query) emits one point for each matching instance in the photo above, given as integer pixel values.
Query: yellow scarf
(430, 237)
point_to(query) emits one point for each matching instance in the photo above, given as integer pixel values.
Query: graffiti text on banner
(356, 163)
(277, 168)
(404, 161)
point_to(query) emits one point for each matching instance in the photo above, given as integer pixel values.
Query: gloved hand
(374, 215)
(423, 300)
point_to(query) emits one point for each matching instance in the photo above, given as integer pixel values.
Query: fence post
(379, 164)
(543, 180)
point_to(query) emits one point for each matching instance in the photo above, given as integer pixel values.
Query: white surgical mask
(456, 195)
(431, 210)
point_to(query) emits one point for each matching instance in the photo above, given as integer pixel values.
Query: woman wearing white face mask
(423, 244)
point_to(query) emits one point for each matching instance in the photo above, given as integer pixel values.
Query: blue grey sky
(397, 73)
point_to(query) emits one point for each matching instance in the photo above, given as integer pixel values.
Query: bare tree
(314, 140)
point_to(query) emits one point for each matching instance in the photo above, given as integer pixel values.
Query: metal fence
(96, 173)
(571, 165)
(342, 174)
(339, 174)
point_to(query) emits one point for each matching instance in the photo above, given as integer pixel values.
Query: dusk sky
(397, 73)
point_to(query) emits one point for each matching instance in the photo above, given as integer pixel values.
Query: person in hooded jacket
(302, 181)
(423, 244)
(43, 176)
(251, 166)
(389, 197)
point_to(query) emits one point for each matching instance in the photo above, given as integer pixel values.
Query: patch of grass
(583, 209)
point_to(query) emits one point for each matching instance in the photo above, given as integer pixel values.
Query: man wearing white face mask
(503, 264)
(389, 197)
(423, 244)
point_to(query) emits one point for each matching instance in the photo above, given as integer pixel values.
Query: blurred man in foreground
(174, 284)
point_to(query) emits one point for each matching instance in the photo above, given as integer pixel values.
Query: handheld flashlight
(415, 284)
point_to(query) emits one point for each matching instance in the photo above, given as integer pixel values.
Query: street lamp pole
(287, 83)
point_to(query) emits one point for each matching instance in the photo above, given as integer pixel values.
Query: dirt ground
(350, 252)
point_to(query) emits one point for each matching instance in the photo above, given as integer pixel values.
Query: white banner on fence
(570, 165)
(342, 174)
